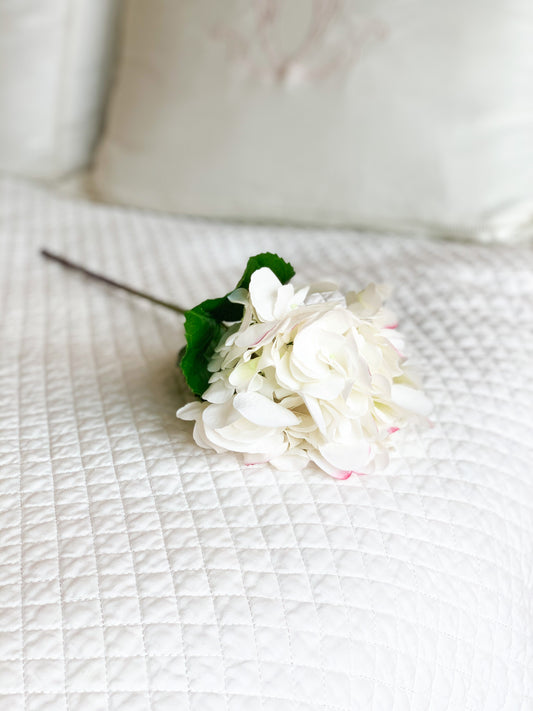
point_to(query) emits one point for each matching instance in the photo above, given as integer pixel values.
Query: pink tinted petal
(253, 335)
(326, 467)
(344, 475)
(262, 338)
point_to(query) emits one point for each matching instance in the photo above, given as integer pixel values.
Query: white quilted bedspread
(139, 572)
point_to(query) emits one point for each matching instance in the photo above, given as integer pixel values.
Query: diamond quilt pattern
(139, 572)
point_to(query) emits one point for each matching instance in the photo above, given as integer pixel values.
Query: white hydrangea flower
(308, 375)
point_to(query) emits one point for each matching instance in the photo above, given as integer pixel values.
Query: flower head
(307, 375)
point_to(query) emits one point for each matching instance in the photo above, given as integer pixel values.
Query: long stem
(110, 282)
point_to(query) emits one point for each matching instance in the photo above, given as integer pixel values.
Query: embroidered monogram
(298, 42)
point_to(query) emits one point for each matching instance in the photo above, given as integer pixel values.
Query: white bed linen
(138, 571)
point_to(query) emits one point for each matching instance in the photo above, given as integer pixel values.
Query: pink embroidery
(334, 39)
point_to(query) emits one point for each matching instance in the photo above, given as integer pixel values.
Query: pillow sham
(411, 115)
(54, 62)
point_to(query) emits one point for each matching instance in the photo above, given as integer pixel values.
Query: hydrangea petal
(351, 456)
(261, 411)
(190, 411)
(283, 301)
(218, 392)
(253, 335)
(264, 286)
(322, 463)
(327, 388)
(243, 373)
(220, 415)
(410, 399)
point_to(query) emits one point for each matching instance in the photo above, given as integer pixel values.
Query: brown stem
(110, 282)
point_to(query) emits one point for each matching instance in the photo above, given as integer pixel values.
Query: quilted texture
(140, 572)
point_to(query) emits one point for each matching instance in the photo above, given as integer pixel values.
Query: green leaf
(282, 269)
(204, 323)
(222, 309)
(202, 333)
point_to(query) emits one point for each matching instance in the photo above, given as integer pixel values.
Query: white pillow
(415, 115)
(54, 58)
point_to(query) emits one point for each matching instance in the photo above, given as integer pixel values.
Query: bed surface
(139, 572)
